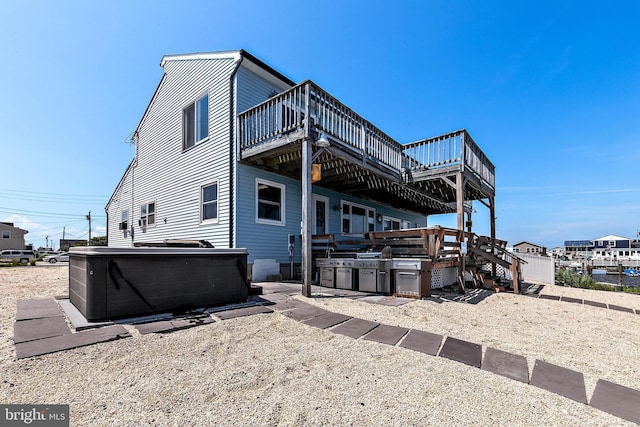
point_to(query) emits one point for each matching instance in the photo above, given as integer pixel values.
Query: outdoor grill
(344, 273)
(372, 272)
(412, 277)
(326, 268)
(367, 271)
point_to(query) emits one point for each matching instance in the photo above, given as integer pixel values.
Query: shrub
(584, 281)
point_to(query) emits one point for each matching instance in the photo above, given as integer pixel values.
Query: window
(210, 203)
(320, 219)
(357, 219)
(389, 224)
(6, 234)
(124, 223)
(269, 202)
(195, 122)
(147, 214)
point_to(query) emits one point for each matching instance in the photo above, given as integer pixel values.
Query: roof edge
(228, 54)
(236, 55)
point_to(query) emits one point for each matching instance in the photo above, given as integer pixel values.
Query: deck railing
(276, 116)
(456, 148)
(343, 124)
(285, 113)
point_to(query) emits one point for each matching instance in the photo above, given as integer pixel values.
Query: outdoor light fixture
(323, 141)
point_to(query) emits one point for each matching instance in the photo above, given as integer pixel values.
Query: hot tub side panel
(87, 291)
(106, 285)
(151, 284)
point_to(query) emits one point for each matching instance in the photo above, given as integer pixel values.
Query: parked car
(53, 258)
(12, 254)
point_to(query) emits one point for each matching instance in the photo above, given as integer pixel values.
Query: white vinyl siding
(164, 170)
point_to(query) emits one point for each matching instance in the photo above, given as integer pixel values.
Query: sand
(268, 370)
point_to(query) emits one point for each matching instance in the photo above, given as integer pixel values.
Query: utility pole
(89, 219)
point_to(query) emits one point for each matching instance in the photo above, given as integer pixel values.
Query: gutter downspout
(133, 180)
(233, 161)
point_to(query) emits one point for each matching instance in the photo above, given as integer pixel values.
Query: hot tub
(109, 283)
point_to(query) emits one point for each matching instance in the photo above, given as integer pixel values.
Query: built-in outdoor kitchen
(400, 262)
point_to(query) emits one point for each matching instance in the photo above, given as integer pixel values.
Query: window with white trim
(195, 122)
(148, 214)
(209, 197)
(124, 223)
(357, 218)
(6, 234)
(389, 224)
(270, 202)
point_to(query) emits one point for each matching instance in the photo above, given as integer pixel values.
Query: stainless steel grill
(373, 273)
(412, 277)
(344, 273)
(367, 271)
(384, 276)
(326, 269)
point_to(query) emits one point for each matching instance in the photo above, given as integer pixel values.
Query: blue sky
(550, 91)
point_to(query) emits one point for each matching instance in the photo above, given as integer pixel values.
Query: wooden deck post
(461, 257)
(492, 213)
(460, 200)
(306, 201)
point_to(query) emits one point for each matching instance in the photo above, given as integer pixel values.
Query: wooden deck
(429, 176)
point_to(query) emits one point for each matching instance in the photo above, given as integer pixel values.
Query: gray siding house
(225, 150)
(11, 237)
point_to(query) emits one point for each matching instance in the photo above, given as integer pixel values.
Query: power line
(44, 199)
(45, 214)
(51, 194)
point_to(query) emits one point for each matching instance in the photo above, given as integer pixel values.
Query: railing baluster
(284, 113)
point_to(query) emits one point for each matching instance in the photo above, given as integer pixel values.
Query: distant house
(578, 248)
(11, 237)
(556, 252)
(615, 247)
(529, 248)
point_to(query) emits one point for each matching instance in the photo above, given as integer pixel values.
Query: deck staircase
(483, 251)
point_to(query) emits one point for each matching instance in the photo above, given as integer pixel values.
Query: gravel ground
(269, 370)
